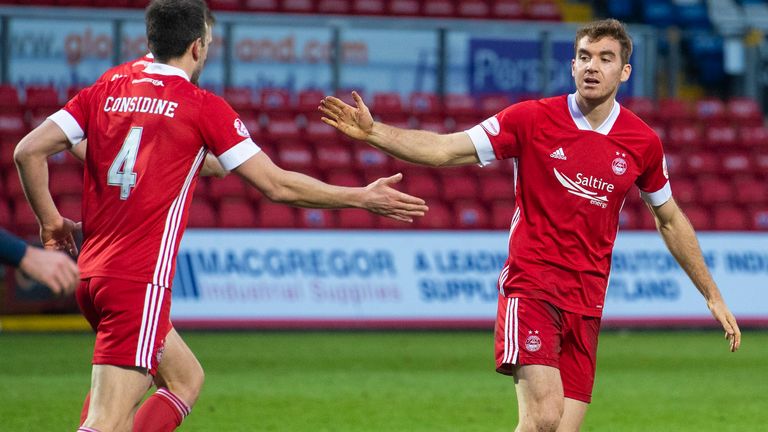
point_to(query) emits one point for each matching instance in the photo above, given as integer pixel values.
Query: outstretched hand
(355, 122)
(382, 199)
(721, 313)
(60, 236)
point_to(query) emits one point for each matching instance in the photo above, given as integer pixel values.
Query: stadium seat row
(540, 10)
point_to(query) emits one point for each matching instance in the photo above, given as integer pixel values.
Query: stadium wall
(447, 279)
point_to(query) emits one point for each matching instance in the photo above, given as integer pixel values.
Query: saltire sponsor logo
(575, 188)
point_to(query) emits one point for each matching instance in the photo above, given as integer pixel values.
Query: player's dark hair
(611, 28)
(172, 25)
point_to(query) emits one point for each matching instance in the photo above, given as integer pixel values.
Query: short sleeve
(500, 137)
(654, 180)
(73, 118)
(225, 134)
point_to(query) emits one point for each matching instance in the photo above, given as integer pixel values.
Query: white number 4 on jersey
(125, 159)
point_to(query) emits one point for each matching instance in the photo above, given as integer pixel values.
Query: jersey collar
(583, 124)
(164, 69)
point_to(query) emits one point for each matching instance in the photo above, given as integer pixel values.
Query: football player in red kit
(576, 157)
(148, 134)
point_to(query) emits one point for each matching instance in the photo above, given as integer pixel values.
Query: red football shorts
(534, 332)
(131, 320)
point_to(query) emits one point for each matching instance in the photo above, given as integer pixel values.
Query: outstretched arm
(680, 238)
(31, 157)
(420, 147)
(300, 190)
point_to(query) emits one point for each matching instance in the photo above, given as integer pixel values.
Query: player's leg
(115, 395)
(578, 361)
(179, 380)
(539, 398)
(528, 346)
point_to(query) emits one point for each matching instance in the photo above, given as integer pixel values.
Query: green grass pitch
(404, 381)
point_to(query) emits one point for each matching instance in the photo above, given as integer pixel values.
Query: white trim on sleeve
(659, 197)
(238, 154)
(68, 125)
(482, 145)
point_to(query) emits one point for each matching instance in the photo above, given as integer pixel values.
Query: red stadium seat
(643, 107)
(112, 3)
(275, 99)
(684, 136)
(13, 189)
(470, 215)
(334, 6)
(423, 103)
(745, 112)
(41, 97)
(387, 103)
(24, 222)
(66, 181)
(240, 98)
(750, 191)
(299, 6)
(473, 9)
(718, 136)
(12, 124)
(404, 7)
(356, 219)
(369, 7)
(508, 9)
(309, 100)
(438, 8)
(460, 106)
(439, 216)
(283, 127)
(237, 213)
(457, 186)
(227, 5)
(676, 163)
(759, 217)
(736, 162)
(422, 185)
(272, 215)
(700, 217)
(492, 104)
(71, 207)
(318, 132)
(261, 5)
(367, 158)
(344, 178)
(202, 214)
(502, 212)
(295, 156)
(433, 124)
(230, 186)
(685, 191)
(715, 190)
(753, 136)
(703, 163)
(543, 10)
(9, 99)
(674, 110)
(252, 122)
(731, 218)
(628, 219)
(316, 218)
(710, 110)
(5, 213)
(333, 156)
(495, 187)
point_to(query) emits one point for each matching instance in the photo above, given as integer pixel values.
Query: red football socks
(162, 412)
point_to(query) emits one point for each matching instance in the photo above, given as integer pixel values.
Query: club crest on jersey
(533, 343)
(619, 165)
(491, 125)
(241, 129)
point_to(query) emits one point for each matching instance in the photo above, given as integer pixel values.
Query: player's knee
(189, 388)
(543, 416)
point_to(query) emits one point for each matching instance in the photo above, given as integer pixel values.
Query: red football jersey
(570, 185)
(127, 68)
(148, 134)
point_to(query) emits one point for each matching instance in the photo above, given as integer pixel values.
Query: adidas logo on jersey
(558, 154)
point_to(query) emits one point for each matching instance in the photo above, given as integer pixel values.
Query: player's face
(598, 69)
(202, 55)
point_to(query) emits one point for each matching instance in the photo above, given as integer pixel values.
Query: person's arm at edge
(54, 269)
(300, 190)
(680, 238)
(31, 157)
(416, 146)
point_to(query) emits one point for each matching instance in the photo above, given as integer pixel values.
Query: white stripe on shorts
(511, 348)
(153, 304)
